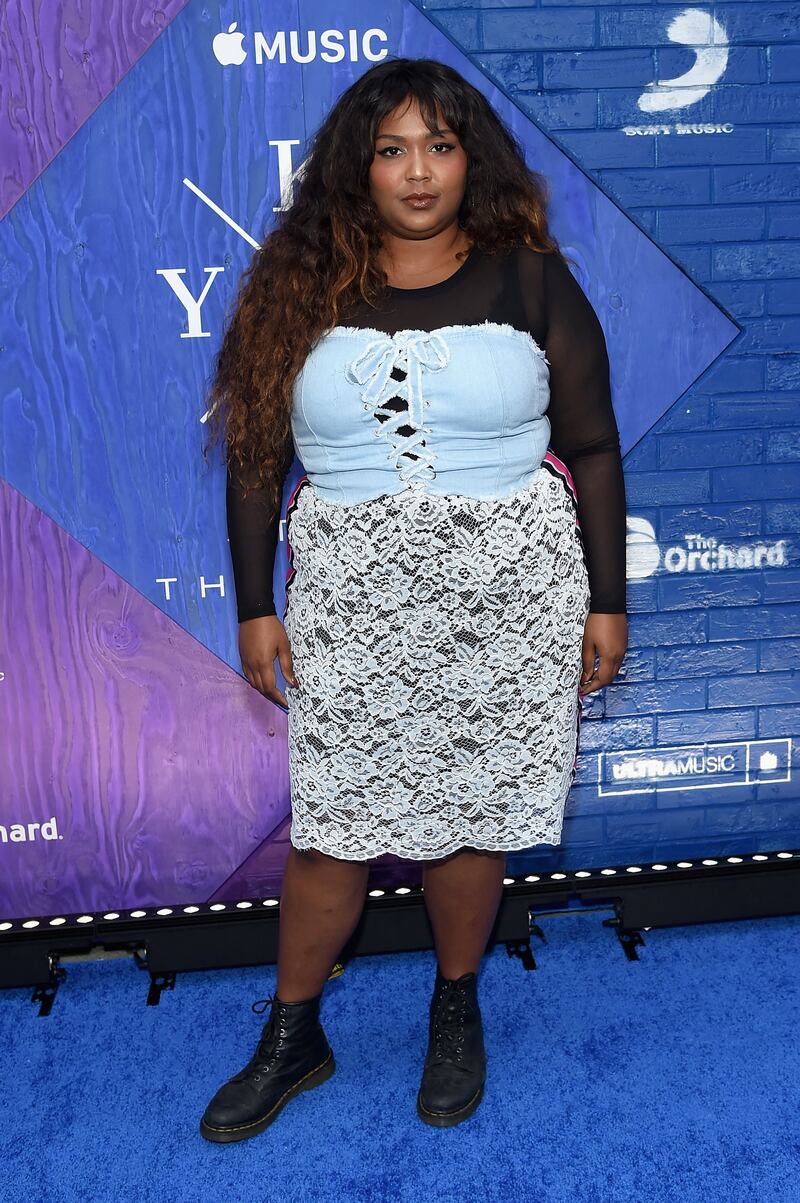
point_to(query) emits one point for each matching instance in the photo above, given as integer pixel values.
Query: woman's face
(410, 159)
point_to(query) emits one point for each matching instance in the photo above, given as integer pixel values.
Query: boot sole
(448, 1119)
(314, 1077)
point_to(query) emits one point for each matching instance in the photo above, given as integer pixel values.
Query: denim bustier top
(473, 396)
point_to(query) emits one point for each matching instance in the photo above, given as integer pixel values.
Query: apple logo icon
(227, 47)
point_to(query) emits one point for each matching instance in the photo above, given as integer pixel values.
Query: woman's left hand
(605, 635)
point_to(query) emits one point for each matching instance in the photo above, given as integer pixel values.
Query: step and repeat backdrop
(146, 150)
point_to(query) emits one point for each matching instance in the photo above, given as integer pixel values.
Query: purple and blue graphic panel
(145, 156)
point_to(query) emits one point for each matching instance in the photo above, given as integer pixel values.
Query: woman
(457, 555)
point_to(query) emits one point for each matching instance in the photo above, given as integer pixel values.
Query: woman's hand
(260, 641)
(607, 636)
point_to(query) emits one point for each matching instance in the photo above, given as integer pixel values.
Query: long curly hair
(322, 253)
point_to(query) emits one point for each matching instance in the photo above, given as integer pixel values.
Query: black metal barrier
(167, 940)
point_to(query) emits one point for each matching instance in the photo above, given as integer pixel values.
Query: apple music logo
(228, 48)
(332, 46)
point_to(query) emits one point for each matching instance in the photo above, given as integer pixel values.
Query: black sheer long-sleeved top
(538, 295)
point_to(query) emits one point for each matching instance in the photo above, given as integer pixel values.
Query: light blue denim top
(477, 394)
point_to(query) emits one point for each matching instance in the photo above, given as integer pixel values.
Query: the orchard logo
(26, 833)
(643, 553)
(283, 46)
(228, 49)
(697, 553)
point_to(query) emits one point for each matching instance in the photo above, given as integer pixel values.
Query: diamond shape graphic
(50, 85)
(105, 381)
(104, 398)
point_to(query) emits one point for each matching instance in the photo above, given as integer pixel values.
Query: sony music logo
(704, 39)
(331, 45)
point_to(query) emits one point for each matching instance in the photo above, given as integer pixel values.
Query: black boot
(455, 1065)
(293, 1054)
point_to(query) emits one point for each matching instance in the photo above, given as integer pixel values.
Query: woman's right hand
(260, 641)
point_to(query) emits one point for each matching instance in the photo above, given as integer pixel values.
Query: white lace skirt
(437, 644)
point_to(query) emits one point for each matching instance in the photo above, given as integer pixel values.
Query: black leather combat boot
(293, 1054)
(455, 1065)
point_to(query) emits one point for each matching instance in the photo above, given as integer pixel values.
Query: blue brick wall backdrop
(688, 118)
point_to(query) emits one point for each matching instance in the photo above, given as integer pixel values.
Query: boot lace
(261, 1004)
(269, 1044)
(448, 1027)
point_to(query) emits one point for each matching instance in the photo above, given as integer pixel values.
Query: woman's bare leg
(322, 898)
(462, 893)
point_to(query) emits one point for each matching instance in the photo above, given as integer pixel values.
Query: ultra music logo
(695, 766)
(283, 46)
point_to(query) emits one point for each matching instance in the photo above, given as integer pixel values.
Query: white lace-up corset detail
(455, 410)
(412, 352)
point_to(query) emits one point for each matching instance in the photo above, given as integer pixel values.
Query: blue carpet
(672, 1078)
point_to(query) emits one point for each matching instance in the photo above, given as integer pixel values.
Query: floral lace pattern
(437, 644)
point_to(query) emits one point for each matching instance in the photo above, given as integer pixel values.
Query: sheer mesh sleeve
(253, 538)
(584, 432)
